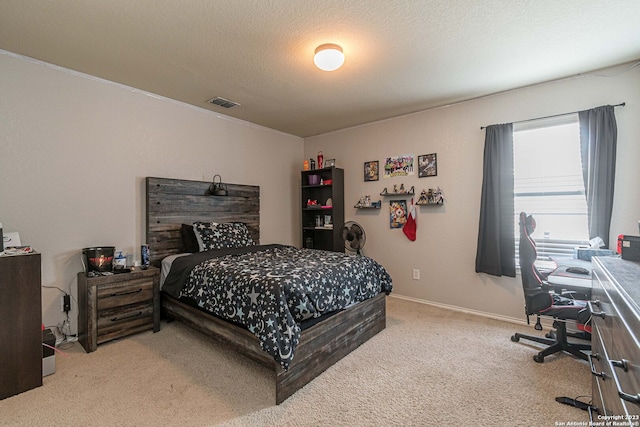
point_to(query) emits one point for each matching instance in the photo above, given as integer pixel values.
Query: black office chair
(541, 301)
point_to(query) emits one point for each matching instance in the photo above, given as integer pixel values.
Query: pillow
(202, 228)
(222, 236)
(189, 238)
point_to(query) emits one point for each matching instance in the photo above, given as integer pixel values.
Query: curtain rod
(554, 115)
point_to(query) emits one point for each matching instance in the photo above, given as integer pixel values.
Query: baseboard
(464, 310)
(547, 323)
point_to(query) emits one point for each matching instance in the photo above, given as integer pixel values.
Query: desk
(615, 358)
(566, 261)
(561, 280)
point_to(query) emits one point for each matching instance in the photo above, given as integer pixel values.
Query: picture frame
(371, 171)
(427, 165)
(397, 213)
(330, 163)
(398, 165)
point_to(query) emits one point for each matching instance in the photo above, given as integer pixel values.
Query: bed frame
(171, 203)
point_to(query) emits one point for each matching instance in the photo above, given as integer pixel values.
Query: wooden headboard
(173, 202)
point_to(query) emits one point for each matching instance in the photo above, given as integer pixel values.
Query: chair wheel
(537, 358)
(514, 338)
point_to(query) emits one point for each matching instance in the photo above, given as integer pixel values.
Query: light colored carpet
(431, 366)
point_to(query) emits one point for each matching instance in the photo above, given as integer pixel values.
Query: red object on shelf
(620, 239)
(320, 159)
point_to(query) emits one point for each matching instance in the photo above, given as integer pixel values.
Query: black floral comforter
(271, 289)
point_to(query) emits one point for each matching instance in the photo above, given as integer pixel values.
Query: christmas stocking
(410, 226)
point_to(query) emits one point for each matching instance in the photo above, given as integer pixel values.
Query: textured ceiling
(402, 56)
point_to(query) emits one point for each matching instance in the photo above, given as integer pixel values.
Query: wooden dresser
(615, 358)
(20, 324)
(114, 306)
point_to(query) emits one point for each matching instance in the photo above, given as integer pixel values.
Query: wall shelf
(366, 203)
(419, 203)
(432, 197)
(406, 193)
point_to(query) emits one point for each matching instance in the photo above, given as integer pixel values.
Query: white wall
(74, 152)
(445, 248)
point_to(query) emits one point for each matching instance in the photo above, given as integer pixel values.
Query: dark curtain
(496, 242)
(598, 138)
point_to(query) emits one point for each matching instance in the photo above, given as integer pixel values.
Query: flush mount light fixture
(328, 57)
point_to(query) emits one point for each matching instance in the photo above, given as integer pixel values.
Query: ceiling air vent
(221, 102)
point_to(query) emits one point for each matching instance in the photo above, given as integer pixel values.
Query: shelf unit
(20, 324)
(321, 237)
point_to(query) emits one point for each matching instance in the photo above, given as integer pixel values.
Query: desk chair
(541, 301)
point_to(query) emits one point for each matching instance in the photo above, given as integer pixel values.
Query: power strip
(69, 339)
(66, 303)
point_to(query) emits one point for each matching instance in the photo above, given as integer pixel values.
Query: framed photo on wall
(371, 171)
(398, 166)
(427, 165)
(397, 213)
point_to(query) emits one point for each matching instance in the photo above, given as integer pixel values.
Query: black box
(631, 248)
(48, 354)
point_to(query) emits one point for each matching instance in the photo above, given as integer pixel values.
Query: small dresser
(117, 305)
(615, 358)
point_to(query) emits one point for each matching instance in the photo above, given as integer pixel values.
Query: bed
(172, 203)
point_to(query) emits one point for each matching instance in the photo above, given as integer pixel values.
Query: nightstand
(117, 305)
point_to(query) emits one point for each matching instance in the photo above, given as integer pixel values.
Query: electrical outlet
(416, 274)
(66, 303)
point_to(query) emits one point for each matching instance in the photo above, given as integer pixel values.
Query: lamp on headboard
(217, 188)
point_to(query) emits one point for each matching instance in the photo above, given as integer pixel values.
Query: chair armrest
(546, 286)
(545, 273)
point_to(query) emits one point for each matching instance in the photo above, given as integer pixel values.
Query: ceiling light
(329, 57)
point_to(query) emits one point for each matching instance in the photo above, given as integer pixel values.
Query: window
(548, 184)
